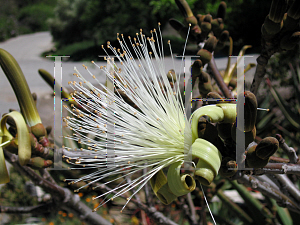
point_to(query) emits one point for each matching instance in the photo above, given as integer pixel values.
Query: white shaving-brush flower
(152, 133)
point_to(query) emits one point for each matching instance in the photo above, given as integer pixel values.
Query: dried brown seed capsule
(267, 147)
(171, 76)
(207, 18)
(48, 129)
(210, 44)
(204, 84)
(224, 36)
(214, 24)
(294, 10)
(272, 27)
(265, 34)
(232, 83)
(205, 88)
(200, 18)
(289, 23)
(205, 26)
(205, 56)
(204, 77)
(222, 10)
(216, 96)
(196, 67)
(250, 111)
(253, 161)
(277, 10)
(289, 41)
(224, 130)
(249, 136)
(228, 167)
(196, 70)
(191, 20)
(207, 131)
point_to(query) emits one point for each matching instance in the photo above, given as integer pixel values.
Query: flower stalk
(18, 82)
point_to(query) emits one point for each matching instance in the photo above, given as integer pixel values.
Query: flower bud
(38, 163)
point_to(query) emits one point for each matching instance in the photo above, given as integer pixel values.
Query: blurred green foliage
(24, 16)
(99, 21)
(14, 194)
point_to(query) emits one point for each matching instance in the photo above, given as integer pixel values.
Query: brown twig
(217, 76)
(259, 73)
(46, 175)
(291, 153)
(266, 189)
(150, 211)
(42, 208)
(278, 159)
(192, 208)
(62, 197)
(288, 185)
(278, 168)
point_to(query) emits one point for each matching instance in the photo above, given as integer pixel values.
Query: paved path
(27, 49)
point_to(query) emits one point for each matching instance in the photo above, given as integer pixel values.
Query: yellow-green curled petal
(215, 113)
(159, 185)
(22, 139)
(229, 110)
(4, 177)
(165, 195)
(180, 184)
(209, 160)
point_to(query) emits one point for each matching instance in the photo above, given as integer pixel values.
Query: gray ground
(27, 49)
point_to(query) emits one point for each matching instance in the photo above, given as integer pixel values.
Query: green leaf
(292, 117)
